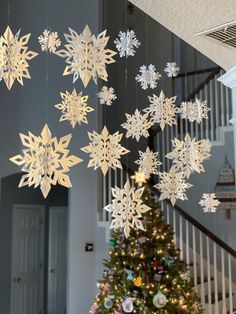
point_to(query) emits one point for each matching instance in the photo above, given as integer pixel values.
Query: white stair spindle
(212, 124)
(216, 107)
(209, 277)
(181, 237)
(168, 214)
(194, 258)
(202, 270)
(187, 242)
(207, 120)
(201, 124)
(222, 102)
(223, 281)
(215, 279)
(230, 284)
(174, 224)
(104, 213)
(227, 106)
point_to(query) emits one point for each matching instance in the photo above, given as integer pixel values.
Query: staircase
(212, 263)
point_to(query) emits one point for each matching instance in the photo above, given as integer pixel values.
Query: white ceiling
(185, 18)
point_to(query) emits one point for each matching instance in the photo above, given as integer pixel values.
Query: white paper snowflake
(162, 110)
(148, 162)
(49, 41)
(105, 150)
(194, 111)
(127, 208)
(86, 55)
(188, 155)
(107, 96)
(171, 69)
(137, 125)
(148, 76)
(74, 108)
(173, 185)
(126, 43)
(209, 202)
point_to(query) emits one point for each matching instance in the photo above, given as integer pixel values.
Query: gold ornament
(86, 55)
(45, 160)
(14, 57)
(74, 108)
(105, 150)
(138, 281)
(139, 177)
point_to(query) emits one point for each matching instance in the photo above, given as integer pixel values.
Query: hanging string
(48, 27)
(126, 78)
(8, 13)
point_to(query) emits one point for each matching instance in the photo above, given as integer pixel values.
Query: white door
(27, 260)
(57, 266)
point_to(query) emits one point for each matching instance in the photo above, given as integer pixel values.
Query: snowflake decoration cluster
(194, 111)
(126, 43)
(49, 41)
(209, 203)
(107, 96)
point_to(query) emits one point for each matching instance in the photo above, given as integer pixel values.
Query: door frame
(42, 250)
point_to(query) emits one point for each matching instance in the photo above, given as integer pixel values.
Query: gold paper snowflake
(137, 125)
(49, 41)
(194, 111)
(188, 155)
(107, 96)
(173, 185)
(148, 162)
(86, 55)
(14, 57)
(105, 150)
(45, 160)
(209, 202)
(162, 110)
(139, 177)
(74, 108)
(127, 208)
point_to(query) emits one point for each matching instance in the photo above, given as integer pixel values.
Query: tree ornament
(162, 110)
(127, 208)
(159, 300)
(94, 308)
(130, 276)
(172, 185)
(157, 277)
(138, 281)
(137, 125)
(209, 202)
(171, 69)
(148, 162)
(107, 96)
(154, 264)
(49, 41)
(105, 150)
(45, 160)
(108, 303)
(86, 55)
(128, 305)
(112, 242)
(74, 108)
(126, 43)
(194, 111)
(14, 57)
(168, 260)
(148, 76)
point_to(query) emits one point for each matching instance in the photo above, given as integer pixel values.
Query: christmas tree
(144, 273)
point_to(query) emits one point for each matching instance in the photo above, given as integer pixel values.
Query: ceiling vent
(224, 34)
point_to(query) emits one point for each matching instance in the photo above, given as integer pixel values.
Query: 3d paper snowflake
(139, 177)
(105, 150)
(126, 43)
(209, 202)
(127, 208)
(86, 55)
(148, 76)
(148, 162)
(172, 185)
(14, 56)
(162, 110)
(107, 96)
(137, 125)
(171, 69)
(194, 111)
(74, 108)
(49, 41)
(188, 155)
(45, 160)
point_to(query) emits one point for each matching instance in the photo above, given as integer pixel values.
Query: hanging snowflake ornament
(148, 162)
(86, 55)
(105, 150)
(139, 178)
(162, 110)
(14, 57)
(172, 185)
(194, 111)
(209, 202)
(127, 208)
(148, 76)
(45, 160)
(126, 43)
(74, 108)
(49, 41)
(171, 69)
(107, 96)
(188, 155)
(137, 125)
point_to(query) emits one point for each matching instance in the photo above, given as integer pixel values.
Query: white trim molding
(229, 78)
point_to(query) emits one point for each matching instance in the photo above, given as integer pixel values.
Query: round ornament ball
(159, 300)
(138, 281)
(108, 303)
(128, 305)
